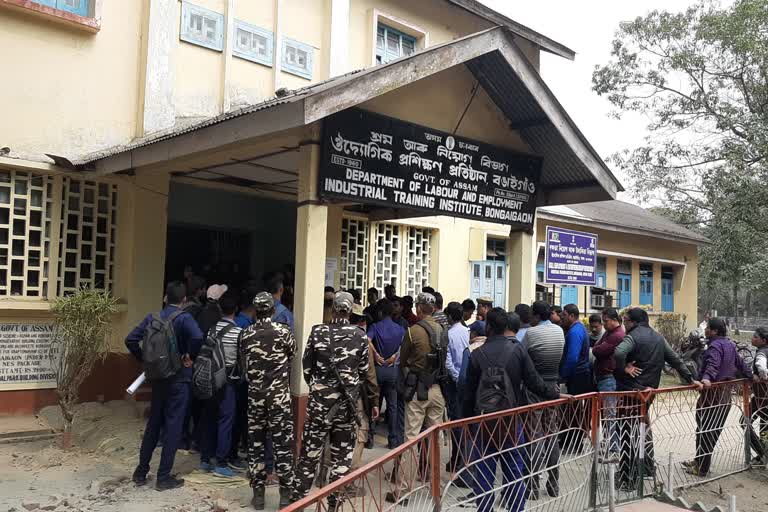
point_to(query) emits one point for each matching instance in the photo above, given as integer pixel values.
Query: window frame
(401, 37)
(187, 10)
(292, 68)
(86, 18)
(251, 56)
(420, 34)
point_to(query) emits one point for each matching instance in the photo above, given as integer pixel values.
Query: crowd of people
(420, 367)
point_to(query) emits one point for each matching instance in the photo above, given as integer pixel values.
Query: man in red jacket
(606, 382)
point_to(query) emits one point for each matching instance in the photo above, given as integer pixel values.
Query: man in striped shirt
(219, 413)
(545, 342)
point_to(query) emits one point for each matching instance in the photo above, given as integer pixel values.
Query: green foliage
(672, 326)
(700, 77)
(81, 339)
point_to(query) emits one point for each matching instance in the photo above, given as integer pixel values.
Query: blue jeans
(387, 377)
(608, 384)
(219, 417)
(513, 495)
(167, 411)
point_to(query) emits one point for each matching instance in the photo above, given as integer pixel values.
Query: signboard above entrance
(570, 257)
(373, 159)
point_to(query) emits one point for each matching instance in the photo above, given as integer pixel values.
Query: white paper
(136, 384)
(331, 265)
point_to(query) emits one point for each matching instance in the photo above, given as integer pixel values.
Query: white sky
(587, 27)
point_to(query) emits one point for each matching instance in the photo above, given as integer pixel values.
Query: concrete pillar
(522, 268)
(657, 287)
(636, 283)
(311, 235)
(333, 240)
(339, 49)
(157, 110)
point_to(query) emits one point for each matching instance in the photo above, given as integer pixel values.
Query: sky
(588, 28)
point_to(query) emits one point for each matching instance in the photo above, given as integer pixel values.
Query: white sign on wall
(24, 356)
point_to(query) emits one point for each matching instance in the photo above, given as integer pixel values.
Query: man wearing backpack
(497, 376)
(165, 343)
(219, 410)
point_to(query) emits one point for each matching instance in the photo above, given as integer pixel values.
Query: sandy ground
(749, 487)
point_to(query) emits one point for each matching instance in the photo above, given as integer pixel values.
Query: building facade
(146, 136)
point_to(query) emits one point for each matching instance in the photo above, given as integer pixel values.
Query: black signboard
(373, 159)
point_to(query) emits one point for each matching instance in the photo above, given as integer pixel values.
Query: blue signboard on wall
(570, 257)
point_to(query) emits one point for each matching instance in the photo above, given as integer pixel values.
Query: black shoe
(369, 444)
(168, 483)
(139, 478)
(391, 498)
(258, 502)
(461, 483)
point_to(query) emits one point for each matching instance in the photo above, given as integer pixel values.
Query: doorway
(489, 277)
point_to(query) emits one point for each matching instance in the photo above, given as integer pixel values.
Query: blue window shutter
(79, 7)
(49, 3)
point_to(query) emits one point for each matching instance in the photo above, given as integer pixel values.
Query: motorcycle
(691, 352)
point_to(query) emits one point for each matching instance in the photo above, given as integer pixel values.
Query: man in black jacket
(639, 358)
(503, 352)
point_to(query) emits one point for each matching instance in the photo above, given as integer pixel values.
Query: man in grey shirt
(545, 342)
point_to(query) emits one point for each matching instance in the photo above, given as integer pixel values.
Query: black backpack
(438, 352)
(210, 373)
(159, 349)
(495, 391)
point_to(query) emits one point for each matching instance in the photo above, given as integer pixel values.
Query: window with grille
(25, 229)
(353, 271)
(253, 43)
(297, 58)
(202, 27)
(387, 258)
(87, 235)
(417, 267)
(392, 44)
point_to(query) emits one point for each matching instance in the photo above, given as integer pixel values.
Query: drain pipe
(277, 45)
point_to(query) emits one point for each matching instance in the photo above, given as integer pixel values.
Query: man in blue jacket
(169, 396)
(575, 372)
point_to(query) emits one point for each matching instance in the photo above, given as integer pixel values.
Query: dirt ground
(749, 487)
(95, 474)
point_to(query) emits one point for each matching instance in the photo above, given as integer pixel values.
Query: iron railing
(562, 454)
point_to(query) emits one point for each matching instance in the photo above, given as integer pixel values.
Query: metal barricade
(556, 455)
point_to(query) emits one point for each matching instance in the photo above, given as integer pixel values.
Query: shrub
(83, 324)
(673, 327)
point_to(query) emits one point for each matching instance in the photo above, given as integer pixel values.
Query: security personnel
(335, 364)
(170, 396)
(422, 365)
(266, 351)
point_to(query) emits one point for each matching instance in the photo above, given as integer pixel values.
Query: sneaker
(206, 466)
(237, 464)
(369, 444)
(223, 471)
(553, 489)
(139, 478)
(168, 483)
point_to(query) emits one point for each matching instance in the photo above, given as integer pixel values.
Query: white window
(87, 235)
(297, 58)
(418, 260)
(202, 27)
(83, 234)
(253, 43)
(387, 257)
(353, 273)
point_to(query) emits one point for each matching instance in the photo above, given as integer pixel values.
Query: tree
(701, 77)
(83, 323)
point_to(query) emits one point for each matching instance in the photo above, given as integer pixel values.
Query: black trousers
(711, 413)
(759, 408)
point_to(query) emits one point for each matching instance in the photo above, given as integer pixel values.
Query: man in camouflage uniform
(267, 349)
(335, 364)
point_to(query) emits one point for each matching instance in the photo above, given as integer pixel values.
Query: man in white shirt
(458, 342)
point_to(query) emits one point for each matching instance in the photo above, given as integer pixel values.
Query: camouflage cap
(425, 298)
(342, 302)
(263, 302)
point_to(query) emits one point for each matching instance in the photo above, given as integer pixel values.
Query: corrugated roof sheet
(623, 214)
